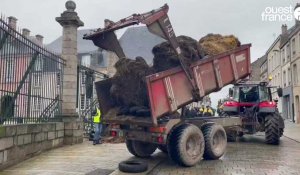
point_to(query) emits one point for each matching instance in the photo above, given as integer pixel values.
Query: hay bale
(213, 44)
(166, 58)
(128, 84)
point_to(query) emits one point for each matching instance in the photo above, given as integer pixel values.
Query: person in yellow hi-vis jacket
(208, 111)
(201, 110)
(98, 126)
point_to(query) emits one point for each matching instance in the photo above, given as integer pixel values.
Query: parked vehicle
(186, 140)
(253, 103)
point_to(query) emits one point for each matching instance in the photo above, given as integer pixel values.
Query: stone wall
(19, 142)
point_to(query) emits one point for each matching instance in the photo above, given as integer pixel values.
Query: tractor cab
(251, 94)
(252, 101)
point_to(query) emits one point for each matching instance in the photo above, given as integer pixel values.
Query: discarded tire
(272, 131)
(140, 149)
(133, 166)
(186, 145)
(215, 141)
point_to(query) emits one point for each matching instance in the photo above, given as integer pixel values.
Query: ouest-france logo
(281, 14)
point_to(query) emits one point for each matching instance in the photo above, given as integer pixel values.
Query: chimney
(39, 38)
(12, 22)
(283, 29)
(25, 32)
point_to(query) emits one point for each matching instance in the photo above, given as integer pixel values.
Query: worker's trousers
(98, 129)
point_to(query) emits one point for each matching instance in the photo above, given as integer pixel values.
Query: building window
(284, 79)
(288, 52)
(295, 74)
(38, 64)
(37, 104)
(86, 60)
(283, 55)
(82, 100)
(10, 70)
(289, 76)
(293, 47)
(37, 80)
(58, 78)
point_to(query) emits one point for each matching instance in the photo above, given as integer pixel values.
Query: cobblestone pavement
(73, 160)
(250, 155)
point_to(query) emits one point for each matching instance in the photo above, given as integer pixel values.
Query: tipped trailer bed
(185, 140)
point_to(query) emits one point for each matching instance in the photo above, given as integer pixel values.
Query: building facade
(264, 69)
(283, 60)
(274, 69)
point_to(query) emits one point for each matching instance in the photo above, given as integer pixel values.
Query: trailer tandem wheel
(186, 145)
(215, 141)
(140, 149)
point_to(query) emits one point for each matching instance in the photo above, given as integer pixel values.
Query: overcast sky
(194, 18)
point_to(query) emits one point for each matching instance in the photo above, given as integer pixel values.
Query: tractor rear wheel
(140, 149)
(272, 130)
(215, 141)
(186, 145)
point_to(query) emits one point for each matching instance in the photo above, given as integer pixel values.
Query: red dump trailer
(185, 140)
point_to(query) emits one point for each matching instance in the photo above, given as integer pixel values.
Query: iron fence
(30, 79)
(86, 95)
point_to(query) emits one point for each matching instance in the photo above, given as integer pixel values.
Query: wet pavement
(73, 160)
(249, 155)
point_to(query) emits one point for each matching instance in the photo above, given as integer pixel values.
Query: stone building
(283, 59)
(264, 69)
(274, 68)
(256, 70)
(290, 51)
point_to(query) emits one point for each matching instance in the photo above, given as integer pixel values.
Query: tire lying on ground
(215, 141)
(186, 145)
(272, 131)
(133, 166)
(140, 149)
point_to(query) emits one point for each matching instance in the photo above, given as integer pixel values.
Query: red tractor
(253, 103)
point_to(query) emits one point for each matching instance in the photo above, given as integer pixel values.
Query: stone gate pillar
(70, 22)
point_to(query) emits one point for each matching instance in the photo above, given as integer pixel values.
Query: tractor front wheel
(272, 130)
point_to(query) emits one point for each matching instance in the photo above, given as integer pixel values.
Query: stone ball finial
(70, 5)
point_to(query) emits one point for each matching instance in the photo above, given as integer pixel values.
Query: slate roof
(83, 46)
(138, 41)
(263, 60)
(285, 37)
(255, 75)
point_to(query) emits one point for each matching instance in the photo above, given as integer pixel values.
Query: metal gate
(30, 79)
(86, 94)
